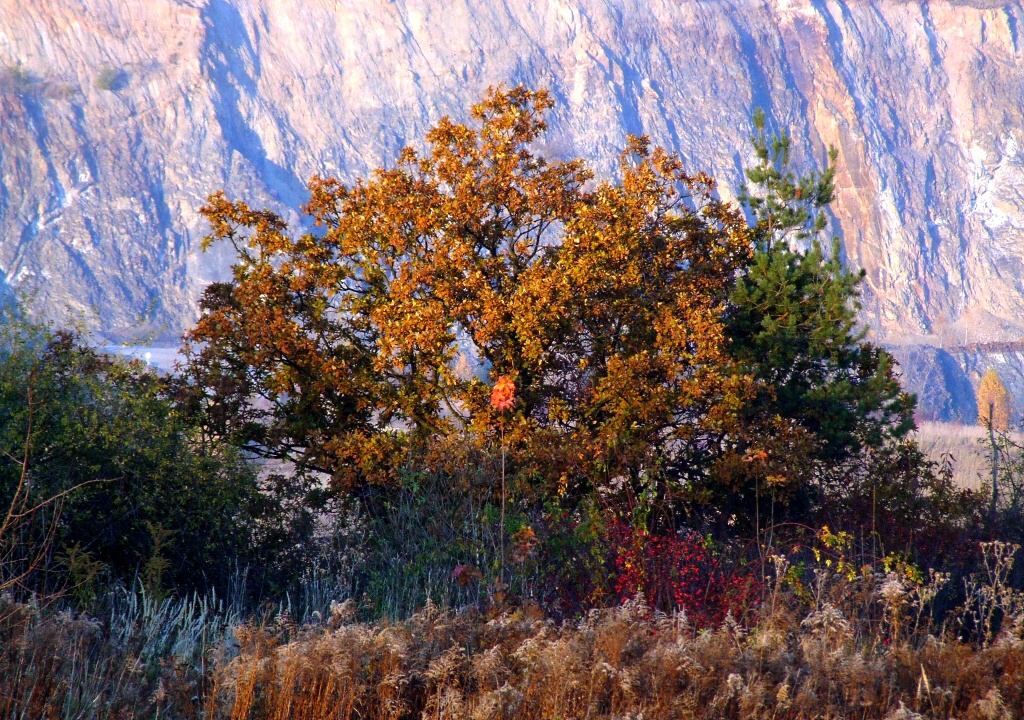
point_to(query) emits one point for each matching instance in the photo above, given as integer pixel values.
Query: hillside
(116, 120)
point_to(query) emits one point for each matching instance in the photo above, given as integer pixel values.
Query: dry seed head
(904, 713)
(445, 667)
(511, 699)
(342, 612)
(532, 647)
(634, 610)
(160, 694)
(735, 683)
(992, 706)
(893, 590)
(488, 665)
(1012, 634)
(829, 622)
(488, 707)
(782, 697)
(627, 682)
(732, 626)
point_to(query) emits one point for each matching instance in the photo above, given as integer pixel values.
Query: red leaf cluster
(503, 395)
(680, 571)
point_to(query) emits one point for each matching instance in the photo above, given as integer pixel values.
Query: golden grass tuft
(627, 662)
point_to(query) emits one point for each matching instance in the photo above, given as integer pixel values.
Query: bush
(682, 572)
(110, 79)
(17, 79)
(148, 496)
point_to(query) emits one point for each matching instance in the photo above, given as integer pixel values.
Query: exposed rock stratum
(118, 117)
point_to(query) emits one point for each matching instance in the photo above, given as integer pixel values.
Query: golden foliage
(994, 403)
(603, 303)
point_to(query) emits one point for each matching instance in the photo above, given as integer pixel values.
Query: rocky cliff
(117, 117)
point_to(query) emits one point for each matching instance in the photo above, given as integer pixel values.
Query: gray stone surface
(944, 392)
(100, 181)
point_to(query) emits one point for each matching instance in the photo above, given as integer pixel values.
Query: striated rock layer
(117, 117)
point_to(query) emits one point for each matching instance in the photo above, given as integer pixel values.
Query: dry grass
(838, 646)
(964, 444)
(136, 660)
(629, 662)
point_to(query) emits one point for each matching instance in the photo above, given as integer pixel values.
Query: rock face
(943, 388)
(117, 119)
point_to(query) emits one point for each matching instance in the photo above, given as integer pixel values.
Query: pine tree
(825, 393)
(794, 322)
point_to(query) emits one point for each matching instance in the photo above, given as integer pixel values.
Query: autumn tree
(339, 349)
(993, 402)
(664, 346)
(994, 409)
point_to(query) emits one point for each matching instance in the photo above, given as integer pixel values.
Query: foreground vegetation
(859, 646)
(501, 440)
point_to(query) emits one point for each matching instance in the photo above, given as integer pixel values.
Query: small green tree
(17, 79)
(784, 206)
(110, 79)
(793, 326)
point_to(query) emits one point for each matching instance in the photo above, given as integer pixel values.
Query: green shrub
(110, 78)
(153, 497)
(17, 79)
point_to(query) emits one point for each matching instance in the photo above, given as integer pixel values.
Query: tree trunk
(995, 462)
